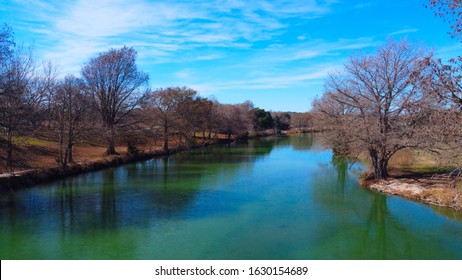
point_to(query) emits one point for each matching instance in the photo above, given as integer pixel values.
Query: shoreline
(432, 191)
(27, 178)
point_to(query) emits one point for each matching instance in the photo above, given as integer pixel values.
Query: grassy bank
(422, 177)
(38, 164)
(25, 178)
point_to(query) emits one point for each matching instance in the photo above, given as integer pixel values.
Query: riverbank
(439, 190)
(29, 177)
(420, 176)
(26, 178)
(40, 164)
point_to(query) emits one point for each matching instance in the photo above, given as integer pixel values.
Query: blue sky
(274, 53)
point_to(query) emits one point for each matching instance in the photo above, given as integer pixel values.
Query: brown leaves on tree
(450, 11)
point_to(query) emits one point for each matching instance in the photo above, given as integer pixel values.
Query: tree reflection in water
(279, 197)
(371, 229)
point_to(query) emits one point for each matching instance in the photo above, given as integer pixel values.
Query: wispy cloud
(312, 49)
(449, 52)
(220, 46)
(266, 80)
(79, 29)
(277, 67)
(404, 31)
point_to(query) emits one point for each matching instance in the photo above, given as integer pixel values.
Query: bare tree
(44, 86)
(17, 100)
(203, 118)
(376, 105)
(445, 80)
(281, 121)
(235, 119)
(302, 121)
(6, 43)
(70, 105)
(167, 106)
(116, 84)
(451, 11)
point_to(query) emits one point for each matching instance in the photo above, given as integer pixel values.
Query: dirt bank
(26, 178)
(30, 177)
(436, 190)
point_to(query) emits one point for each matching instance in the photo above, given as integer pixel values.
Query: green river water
(272, 198)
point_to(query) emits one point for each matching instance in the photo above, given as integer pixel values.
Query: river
(273, 198)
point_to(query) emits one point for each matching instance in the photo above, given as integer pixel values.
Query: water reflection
(372, 230)
(108, 201)
(303, 142)
(279, 198)
(132, 195)
(67, 208)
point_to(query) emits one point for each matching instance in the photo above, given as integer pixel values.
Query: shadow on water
(371, 228)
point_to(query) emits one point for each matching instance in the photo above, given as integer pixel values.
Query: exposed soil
(441, 190)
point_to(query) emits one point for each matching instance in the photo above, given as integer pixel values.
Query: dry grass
(421, 176)
(36, 153)
(418, 161)
(440, 191)
(445, 197)
(40, 152)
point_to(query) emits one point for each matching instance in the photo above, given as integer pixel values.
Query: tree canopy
(262, 119)
(450, 11)
(375, 104)
(116, 84)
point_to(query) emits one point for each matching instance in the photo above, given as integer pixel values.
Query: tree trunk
(70, 158)
(111, 147)
(380, 164)
(70, 143)
(9, 151)
(64, 161)
(165, 146)
(62, 158)
(111, 142)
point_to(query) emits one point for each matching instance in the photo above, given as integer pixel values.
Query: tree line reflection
(373, 230)
(137, 195)
(100, 211)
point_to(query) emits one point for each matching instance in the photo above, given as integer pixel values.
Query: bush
(132, 149)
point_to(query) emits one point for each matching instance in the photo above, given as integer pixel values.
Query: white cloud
(313, 49)
(182, 31)
(404, 31)
(75, 31)
(269, 80)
